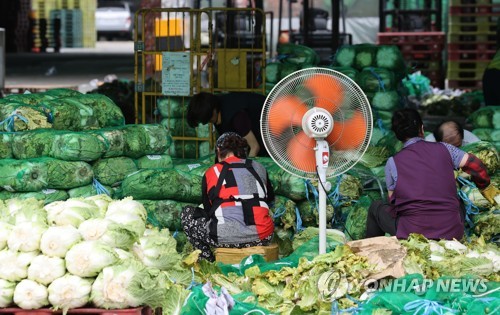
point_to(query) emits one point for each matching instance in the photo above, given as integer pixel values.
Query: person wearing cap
(491, 76)
(236, 194)
(237, 112)
(452, 132)
(421, 185)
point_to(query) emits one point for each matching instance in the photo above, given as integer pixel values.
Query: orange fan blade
(285, 112)
(301, 152)
(327, 90)
(348, 135)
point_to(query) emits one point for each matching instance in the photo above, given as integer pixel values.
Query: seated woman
(236, 195)
(421, 185)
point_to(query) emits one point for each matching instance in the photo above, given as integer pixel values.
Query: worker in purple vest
(421, 185)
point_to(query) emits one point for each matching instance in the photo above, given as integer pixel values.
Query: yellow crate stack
(41, 14)
(88, 8)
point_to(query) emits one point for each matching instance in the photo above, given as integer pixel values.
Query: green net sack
(46, 195)
(286, 69)
(142, 140)
(298, 54)
(348, 71)
(70, 114)
(356, 219)
(28, 98)
(273, 72)
(286, 184)
(486, 117)
(33, 144)
(308, 210)
(77, 146)
(157, 184)
(23, 175)
(172, 106)
(165, 213)
(486, 152)
(487, 134)
(189, 149)
(18, 117)
(155, 161)
(90, 190)
(373, 80)
(112, 171)
(283, 212)
(283, 238)
(67, 174)
(387, 101)
(6, 145)
(365, 56)
(390, 57)
(60, 92)
(344, 57)
(374, 156)
(113, 140)
(107, 113)
(195, 166)
(190, 184)
(178, 127)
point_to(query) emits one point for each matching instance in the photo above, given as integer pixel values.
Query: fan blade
(301, 152)
(348, 135)
(286, 111)
(328, 91)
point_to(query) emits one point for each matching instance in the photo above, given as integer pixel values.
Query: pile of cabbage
(94, 252)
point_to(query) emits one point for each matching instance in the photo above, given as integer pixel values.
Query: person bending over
(237, 112)
(421, 185)
(452, 132)
(236, 194)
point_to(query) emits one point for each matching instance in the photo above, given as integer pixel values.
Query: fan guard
(282, 125)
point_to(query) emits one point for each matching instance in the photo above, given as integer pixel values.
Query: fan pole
(322, 158)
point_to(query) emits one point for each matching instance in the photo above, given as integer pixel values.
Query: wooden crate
(235, 255)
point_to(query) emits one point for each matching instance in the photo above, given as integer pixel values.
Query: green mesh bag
(388, 100)
(142, 140)
(60, 92)
(112, 171)
(356, 219)
(17, 116)
(70, 114)
(107, 113)
(178, 127)
(348, 71)
(286, 184)
(159, 184)
(484, 133)
(91, 190)
(390, 57)
(46, 195)
(344, 57)
(155, 161)
(286, 69)
(284, 239)
(23, 175)
(376, 79)
(112, 139)
(486, 117)
(298, 54)
(283, 212)
(67, 174)
(28, 98)
(77, 146)
(189, 149)
(273, 72)
(6, 145)
(365, 56)
(165, 213)
(33, 144)
(173, 106)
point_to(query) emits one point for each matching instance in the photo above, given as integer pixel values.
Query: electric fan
(316, 123)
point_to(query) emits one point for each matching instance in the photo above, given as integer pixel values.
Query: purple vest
(425, 196)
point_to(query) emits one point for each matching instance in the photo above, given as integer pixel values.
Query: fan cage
(354, 100)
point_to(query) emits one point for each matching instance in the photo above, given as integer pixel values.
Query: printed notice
(176, 73)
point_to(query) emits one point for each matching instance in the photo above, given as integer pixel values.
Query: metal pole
(2, 59)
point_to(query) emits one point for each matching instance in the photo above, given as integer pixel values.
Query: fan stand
(322, 158)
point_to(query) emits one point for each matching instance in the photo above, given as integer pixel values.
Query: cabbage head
(5, 229)
(69, 292)
(129, 213)
(14, 265)
(30, 295)
(108, 232)
(44, 269)
(25, 237)
(157, 249)
(88, 258)
(6, 292)
(71, 212)
(57, 240)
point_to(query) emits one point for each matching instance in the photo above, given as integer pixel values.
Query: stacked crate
(43, 29)
(415, 27)
(471, 41)
(87, 9)
(423, 51)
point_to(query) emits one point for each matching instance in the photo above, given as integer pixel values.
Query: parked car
(114, 19)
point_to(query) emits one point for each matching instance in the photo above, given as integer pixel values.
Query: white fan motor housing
(317, 123)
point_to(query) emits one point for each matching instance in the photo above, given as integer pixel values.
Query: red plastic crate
(418, 38)
(472, 46)
(462, 55)
(423, 55)
(472, 8)
(435, 47)
(88, 311)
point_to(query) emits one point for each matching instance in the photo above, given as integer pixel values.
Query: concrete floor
(71, 67)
